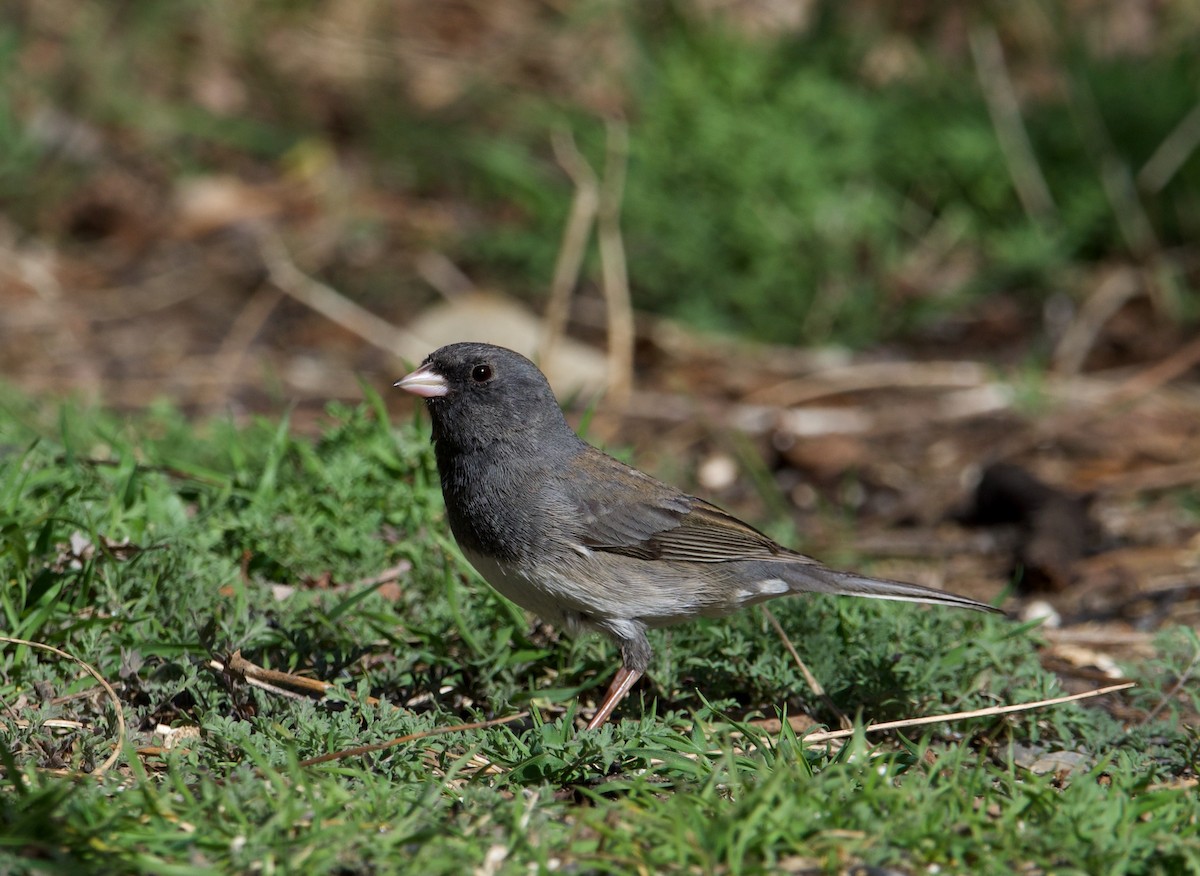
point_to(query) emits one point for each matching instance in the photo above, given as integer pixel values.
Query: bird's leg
(621, 683)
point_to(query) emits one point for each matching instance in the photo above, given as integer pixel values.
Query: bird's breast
(549, 594)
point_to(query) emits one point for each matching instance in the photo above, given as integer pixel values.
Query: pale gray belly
(594, 589)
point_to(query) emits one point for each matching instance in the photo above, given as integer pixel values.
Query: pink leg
(621, 683)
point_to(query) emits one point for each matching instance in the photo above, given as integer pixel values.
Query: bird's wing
(638, 516)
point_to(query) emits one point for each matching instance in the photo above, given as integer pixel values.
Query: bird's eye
(481, 373)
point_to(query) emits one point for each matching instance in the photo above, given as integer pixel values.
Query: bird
(586, 542)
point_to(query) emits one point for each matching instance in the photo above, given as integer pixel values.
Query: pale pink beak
(424, 382)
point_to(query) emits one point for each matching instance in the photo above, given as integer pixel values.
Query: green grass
(680, 783)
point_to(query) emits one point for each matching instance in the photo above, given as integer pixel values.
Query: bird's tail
(815, 578)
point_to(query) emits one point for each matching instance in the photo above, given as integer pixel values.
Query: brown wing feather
(709, 535)
(641, 517)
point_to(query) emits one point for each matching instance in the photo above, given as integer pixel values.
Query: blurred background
(952, 178)
(852, 252)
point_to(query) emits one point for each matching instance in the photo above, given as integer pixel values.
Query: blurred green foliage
(772, 191)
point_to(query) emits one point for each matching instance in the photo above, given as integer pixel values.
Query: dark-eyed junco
(585, 541)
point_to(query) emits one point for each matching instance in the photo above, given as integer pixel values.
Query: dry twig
(436, 269)
(613, 267)
(227, 362)
(273, 681)
(1171, 154)
(326, 300)
(1110, 400)
(863, 376)
(811, 680)
(1005, 110)
(584, 207)
(108, 690)
(1117, 289)
(597, 203)
(1160, 373)
(830, 735)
